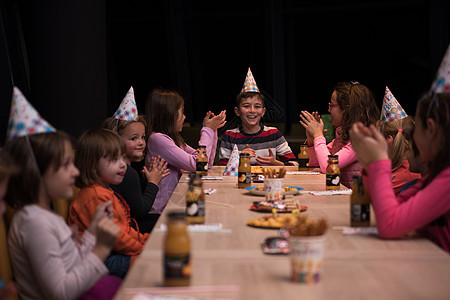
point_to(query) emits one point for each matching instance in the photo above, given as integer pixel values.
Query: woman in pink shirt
(164, 113)
(350, 102)
(424, 207)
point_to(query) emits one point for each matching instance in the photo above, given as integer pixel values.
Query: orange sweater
(82, 210)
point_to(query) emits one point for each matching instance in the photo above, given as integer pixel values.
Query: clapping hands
(215, 122)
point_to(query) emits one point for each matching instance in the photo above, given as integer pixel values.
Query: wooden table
(355, 267)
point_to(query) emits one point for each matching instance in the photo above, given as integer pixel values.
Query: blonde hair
(401, 131)
(93, 145)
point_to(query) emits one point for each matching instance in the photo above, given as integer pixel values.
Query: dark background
(75, 60)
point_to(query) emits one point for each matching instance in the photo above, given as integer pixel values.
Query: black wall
(75, 60)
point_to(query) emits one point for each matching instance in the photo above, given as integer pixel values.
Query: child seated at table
(397, 127)
(350, 102)
(100, 157)
(416, 165)
(164, 113)
(424, 207)
(263, 143)
(49, 259)
(131, 128)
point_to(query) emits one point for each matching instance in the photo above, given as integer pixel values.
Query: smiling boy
(263, 143)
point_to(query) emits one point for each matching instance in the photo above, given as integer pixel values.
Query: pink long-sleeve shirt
(426, 210)
(348, 163)
(178, 159)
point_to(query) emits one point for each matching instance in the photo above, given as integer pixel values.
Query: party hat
(127, 110)
(24, 119)
(233, 163)
(391, 110)
(441, 83)
(249, 83)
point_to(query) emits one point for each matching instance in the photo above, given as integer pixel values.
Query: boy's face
(251, 110)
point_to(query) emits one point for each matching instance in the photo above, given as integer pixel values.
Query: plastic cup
(306, 254)
(274, 189)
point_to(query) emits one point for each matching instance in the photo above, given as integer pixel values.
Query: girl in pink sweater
(424, 207)
(164, 113)
(350, 102)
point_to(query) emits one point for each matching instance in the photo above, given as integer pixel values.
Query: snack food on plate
(271, 221)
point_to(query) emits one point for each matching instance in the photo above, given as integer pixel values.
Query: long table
(233, 265)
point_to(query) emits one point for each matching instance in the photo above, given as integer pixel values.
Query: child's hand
(249, 150)
(268, 160)
(157, 170)
(314, 127)
(106, 234)
(215, 122)
(103, 210)
(369, 144)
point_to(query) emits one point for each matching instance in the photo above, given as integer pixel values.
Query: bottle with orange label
(244, 171)
(333, 174)
(177, 246)
(359, 204)
(202, 161)
(195, 201)
(303, 158)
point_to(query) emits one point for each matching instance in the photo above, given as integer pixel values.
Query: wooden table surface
(355, 267)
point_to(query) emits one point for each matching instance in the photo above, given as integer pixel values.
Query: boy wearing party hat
(264, 144)
(131, 128)
(397, 127)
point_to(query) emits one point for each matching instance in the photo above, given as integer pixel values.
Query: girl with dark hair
(424, 207)
(164, 113)
(350, 102)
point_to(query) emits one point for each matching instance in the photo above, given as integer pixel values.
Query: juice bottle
(359, 204)
(202, 161)
(195, 201)
(303, 158)
(333, 179)
(177, 268)
(244, 171)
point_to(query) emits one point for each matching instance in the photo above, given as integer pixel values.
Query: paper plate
(256, 192)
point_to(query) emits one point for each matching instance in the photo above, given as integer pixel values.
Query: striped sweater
(267, 137)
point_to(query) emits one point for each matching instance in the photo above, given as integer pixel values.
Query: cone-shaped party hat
(24, 119)
(233, 163)
(127, 110)
(391, 110)
(441, 83)
(249, 83)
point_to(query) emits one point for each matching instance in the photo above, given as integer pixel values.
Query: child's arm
(346, 155)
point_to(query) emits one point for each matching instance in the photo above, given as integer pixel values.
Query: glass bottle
(202, 161)
(359, 204)
(177, 268)
(195, 201)
(303, 158)
(244, 171)
(333, 173)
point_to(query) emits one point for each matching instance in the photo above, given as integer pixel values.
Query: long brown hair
(48, 149)
(92, 145)
(402, 131)
(161, 113)
(358, 105)
(437, 108)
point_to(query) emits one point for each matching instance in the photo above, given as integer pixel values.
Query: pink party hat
(233, 163)
(24, 119)
(127, 110)
(391, 110)
(441, 83)
(249, 83)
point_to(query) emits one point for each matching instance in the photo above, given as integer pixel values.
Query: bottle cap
(176, 215)
(244, 154)
(201, 146)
